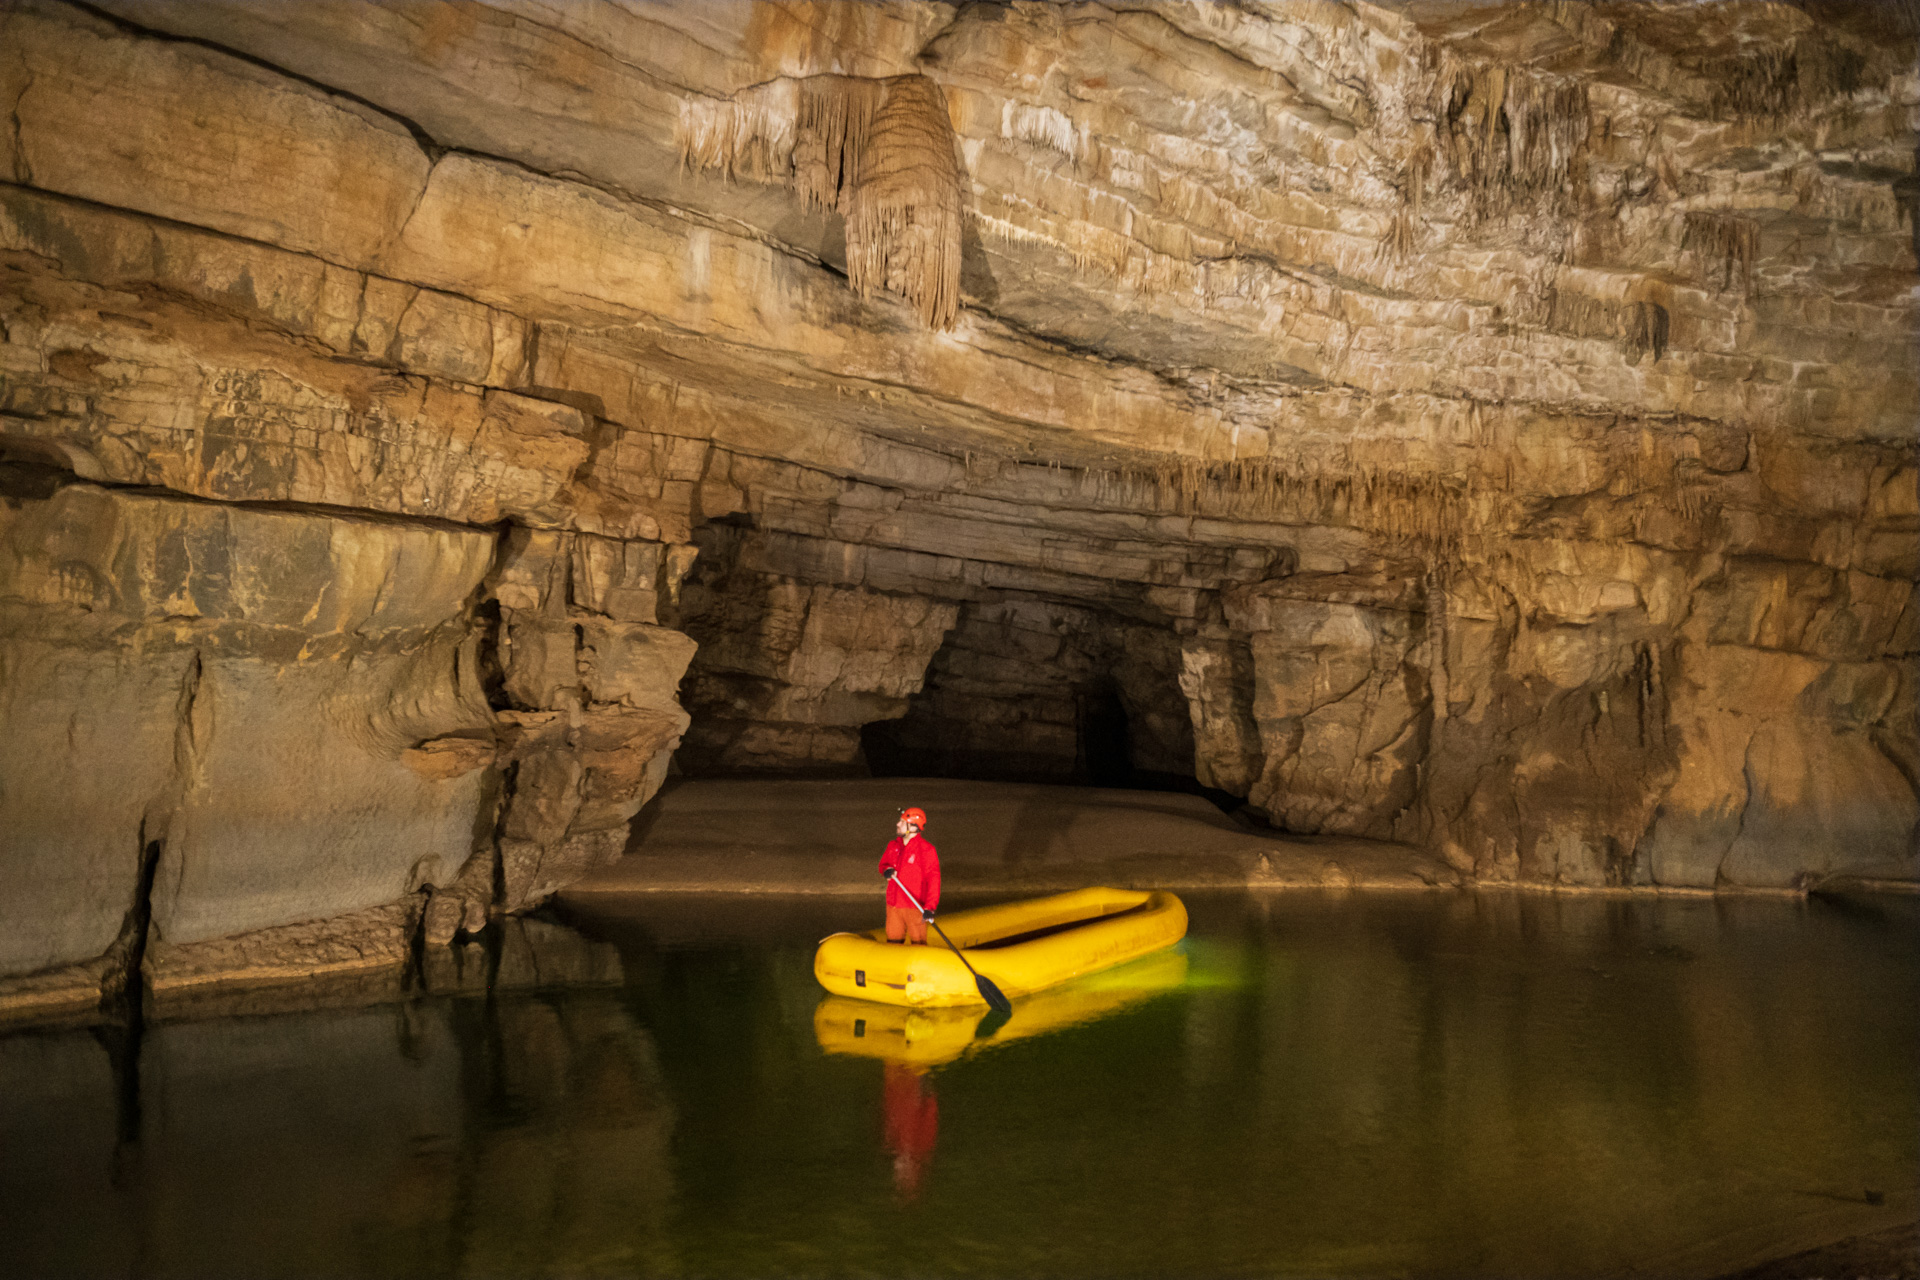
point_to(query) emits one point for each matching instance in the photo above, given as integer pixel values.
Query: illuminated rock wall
(1495, 425)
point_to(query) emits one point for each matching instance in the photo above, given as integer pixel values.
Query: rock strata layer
(1485, 427)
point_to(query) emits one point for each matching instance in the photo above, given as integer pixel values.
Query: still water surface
(1486, 1084)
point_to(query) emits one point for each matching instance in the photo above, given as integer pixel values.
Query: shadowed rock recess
(1489, 427)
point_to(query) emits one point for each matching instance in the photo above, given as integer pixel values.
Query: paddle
(988, 992)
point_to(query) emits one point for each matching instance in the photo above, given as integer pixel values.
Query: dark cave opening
(807, 669)
(1104, 753)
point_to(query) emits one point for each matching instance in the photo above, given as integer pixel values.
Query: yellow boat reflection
(931, 1036)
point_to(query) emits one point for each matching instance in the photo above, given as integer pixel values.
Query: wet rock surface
(1483, 428)
(157, 649)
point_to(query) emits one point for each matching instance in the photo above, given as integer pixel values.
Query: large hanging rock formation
(1489, 426)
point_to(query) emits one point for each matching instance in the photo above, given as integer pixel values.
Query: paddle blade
(993, 996)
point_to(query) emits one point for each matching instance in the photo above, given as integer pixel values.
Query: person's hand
(927, 916)
(888, 873)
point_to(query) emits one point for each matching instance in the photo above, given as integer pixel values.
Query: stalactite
(1437, 516)
(1581, 316)
(1665, 470)
(1427, 514)
(1138, 269)
(1508, 135)
(1755, 84)
(835, 119)
(1646, 330)
(750, 136)
(1547, 121)
(1772, 83)
(1724, 244)
(1640, 327)
(1632, 460)
(1690, 491)
(1397, 243)
(881, 152)
(903, 224)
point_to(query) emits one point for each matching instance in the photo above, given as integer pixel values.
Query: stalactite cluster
(1725, 245)
(879, 152)
(1508, 135)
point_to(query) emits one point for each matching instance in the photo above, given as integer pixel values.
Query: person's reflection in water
(912, 1124)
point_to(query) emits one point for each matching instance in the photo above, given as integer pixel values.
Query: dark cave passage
(1095, 703)
(1104, 757)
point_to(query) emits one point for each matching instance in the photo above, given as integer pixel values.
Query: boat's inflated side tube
(1091, 929)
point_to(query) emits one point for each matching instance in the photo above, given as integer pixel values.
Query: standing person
(911, 862)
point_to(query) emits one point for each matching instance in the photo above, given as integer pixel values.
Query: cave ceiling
(1193, 231)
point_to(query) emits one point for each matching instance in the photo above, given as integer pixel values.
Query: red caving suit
(916, 865)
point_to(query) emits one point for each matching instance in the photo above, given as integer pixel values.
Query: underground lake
(1488, 1083)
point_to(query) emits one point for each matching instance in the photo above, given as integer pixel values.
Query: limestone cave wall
(1490, 426)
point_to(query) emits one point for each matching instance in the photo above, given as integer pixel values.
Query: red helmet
(918, 817)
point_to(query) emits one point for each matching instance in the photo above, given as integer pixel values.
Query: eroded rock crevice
(1487, 428)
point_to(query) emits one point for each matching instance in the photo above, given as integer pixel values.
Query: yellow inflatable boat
(1022, 947)
(932, 1037)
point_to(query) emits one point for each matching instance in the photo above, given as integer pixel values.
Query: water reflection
(515, 1130)
(1429, 1084)
(927, 1038)
(911, 1042)
(912, 1124)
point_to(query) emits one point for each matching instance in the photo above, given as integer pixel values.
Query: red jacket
(917, 864)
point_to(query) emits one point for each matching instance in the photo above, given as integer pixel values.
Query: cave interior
(428, 430)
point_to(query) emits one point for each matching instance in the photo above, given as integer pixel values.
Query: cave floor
(825, 836)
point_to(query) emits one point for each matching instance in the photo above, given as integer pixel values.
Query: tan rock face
(1342, 714)
(595, 717)
(1491, 427)
(194, 682)
(787, 673)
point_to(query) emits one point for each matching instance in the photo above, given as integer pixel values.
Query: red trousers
(905, 922)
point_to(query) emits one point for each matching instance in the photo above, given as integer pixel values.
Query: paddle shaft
(991, 994)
